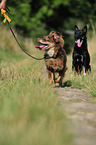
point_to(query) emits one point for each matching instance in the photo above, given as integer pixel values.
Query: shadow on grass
(66, 84)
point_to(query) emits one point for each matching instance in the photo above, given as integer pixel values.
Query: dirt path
(81, 111)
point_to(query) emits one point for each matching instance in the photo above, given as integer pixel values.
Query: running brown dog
(55, 55)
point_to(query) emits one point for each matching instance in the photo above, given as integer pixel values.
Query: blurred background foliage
(35, 18)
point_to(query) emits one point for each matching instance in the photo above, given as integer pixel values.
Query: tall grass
(8, 43)
(6, 40)
(30, 112)
(29, 109)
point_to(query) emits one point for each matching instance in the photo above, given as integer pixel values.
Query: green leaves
(54, 14)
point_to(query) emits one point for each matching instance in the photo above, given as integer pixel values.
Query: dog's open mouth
(44, 45)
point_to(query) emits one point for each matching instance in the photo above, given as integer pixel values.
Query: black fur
(81, 55)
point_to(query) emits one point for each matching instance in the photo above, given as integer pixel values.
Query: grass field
(30, 111)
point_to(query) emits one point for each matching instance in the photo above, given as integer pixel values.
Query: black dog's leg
(87, 67)
(84, 71)
(76, 66)
(80, 68)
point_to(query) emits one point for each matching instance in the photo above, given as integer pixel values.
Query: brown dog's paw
(52, 83)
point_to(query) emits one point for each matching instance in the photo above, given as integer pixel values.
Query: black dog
(81, 56)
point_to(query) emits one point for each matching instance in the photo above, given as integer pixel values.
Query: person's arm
(3, 4)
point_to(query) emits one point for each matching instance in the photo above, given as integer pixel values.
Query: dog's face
(51, 40)
(51, 43)
(46, 43)
(80, 36)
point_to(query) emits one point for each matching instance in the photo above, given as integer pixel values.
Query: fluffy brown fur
(55, 55)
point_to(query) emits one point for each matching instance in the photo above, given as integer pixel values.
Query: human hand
(3, 4)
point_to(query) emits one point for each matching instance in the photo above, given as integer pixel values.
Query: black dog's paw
(89, 69)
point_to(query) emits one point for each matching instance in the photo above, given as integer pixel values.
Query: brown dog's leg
(60, 78)
(49, 74)
(53, 78)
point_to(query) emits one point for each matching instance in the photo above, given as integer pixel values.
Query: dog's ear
(85, 29)
(76, 28)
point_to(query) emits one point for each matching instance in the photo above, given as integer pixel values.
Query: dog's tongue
(41, 47)
(78, 43)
